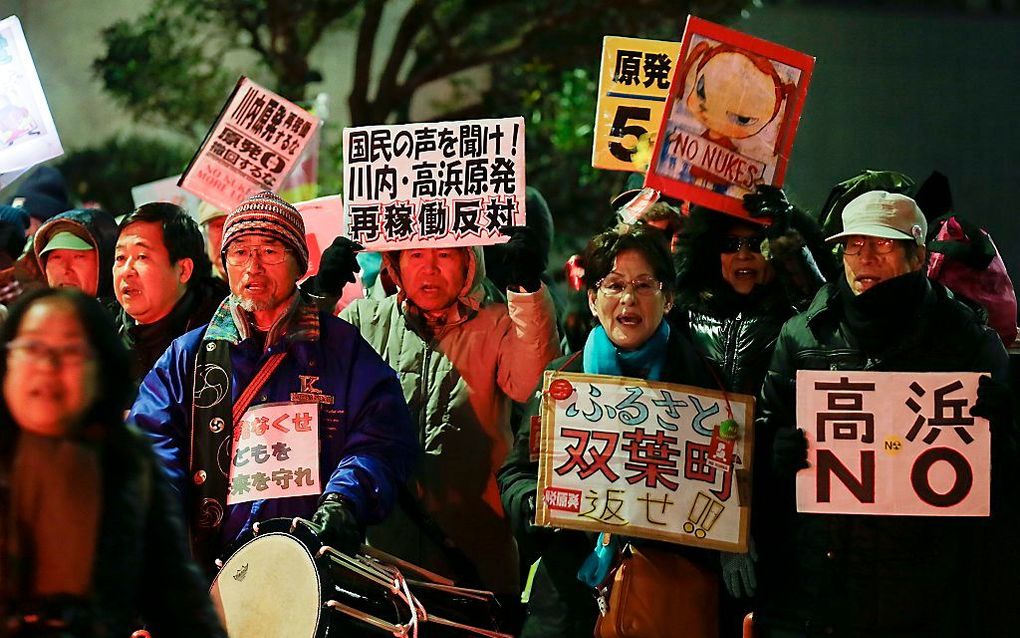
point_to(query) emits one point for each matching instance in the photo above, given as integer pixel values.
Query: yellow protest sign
(633, 86)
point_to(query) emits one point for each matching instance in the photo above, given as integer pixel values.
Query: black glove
(789, 452)
(338, 264)
(524, 257)
(770, 202)
(337, 526)
(994, 400)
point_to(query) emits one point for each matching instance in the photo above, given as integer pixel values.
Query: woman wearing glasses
(733, 297)
(628, 276)
(89, 541)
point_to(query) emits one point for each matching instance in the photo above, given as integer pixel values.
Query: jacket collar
(230, 323)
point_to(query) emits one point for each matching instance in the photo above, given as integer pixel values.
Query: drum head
(269, 588)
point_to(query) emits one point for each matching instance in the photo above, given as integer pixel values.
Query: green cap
(66, 240)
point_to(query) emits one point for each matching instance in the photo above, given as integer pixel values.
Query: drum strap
(464, 571)
(212, 426)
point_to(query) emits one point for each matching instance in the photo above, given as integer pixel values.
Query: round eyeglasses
(240, 254)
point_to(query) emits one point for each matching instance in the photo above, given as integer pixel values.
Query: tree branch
(357, 102)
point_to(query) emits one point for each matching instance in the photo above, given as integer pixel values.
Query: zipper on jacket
(422, 412)
(730, 352)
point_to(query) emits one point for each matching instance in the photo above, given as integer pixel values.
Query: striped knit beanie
(268, 215)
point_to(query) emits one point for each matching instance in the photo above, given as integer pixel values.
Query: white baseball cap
(883, 214)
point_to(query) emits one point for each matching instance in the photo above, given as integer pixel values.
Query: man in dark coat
(861, 576)
(162, 280)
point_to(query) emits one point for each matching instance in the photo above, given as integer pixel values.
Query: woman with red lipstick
(628, 277)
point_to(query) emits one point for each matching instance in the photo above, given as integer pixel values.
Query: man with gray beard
(267, 343)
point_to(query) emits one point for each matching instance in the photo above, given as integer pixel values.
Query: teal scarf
(601, 356)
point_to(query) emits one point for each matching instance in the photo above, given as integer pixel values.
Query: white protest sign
(27, 133)
(899, 443)
(434, 185)
(637, 458)
(166, 190)
(324, 218)
(254, 143)
(275, 453)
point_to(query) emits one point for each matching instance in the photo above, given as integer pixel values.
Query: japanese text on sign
(633, 86)
(433, 185)
(636, 457)
(729, 121)
(275, 453)
(892, 443)
(253, 145)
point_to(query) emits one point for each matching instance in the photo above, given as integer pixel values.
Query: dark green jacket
(871, 575)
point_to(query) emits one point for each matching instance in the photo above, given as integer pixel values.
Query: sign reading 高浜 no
(254, 143)
(893, 443)
(433, 185)
(642, 458)
(729, 123)
(633, 86)
(275, 453)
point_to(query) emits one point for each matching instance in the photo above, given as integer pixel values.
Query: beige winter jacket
(459, 386)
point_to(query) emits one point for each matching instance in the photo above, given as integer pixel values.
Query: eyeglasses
(730, 244)
(240, 254)
(642, 286)
(879, 245)
(74, 354)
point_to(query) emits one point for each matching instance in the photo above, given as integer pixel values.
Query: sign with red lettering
(634, 457)
(732, 113)
(275, 453)
(253, 145)
(893, 443)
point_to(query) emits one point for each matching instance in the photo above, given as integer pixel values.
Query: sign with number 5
(633, 86)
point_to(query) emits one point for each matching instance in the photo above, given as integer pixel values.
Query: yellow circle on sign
(892, 445)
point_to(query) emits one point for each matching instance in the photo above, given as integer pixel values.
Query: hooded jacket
(459, 385)
(93, 225)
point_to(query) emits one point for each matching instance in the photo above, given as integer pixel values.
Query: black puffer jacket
(735, 332)
(142, 569)
(873, 575)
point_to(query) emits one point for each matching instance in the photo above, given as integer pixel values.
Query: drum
(283, 582)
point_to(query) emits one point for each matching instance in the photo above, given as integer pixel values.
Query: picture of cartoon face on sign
(727, 126)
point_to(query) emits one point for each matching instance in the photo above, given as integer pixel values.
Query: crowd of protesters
(426, 387)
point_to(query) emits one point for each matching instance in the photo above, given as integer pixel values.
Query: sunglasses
(731, 244)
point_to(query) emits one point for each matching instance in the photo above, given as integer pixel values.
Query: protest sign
(27, 133)
(275, 453)
(730, 119)
(254, 143)
(302, 183)
(895, 443)
(433, 185)
(324, 218)
(633, 86)
(166, 190)
(648, 459)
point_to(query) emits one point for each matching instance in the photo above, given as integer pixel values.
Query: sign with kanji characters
(275, 453)
(166, 190)
(636, 458)
(730, 119)
(433, 185)
(633, 86)
(252, 146)
(893, 443)
(27, 133)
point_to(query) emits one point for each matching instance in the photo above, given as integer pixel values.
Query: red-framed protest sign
(642, 458)
(731, 117)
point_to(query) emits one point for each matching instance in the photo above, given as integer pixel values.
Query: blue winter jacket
(367, 442)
